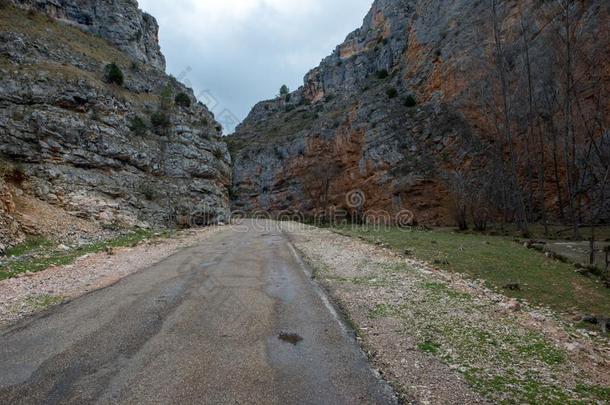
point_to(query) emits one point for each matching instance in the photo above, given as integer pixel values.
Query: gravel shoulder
(24, 296)
(439, 337)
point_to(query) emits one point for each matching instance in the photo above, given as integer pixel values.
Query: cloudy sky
(235, 53)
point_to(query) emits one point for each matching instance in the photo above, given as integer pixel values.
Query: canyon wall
(121, 155)
(120, 22)
(407, 102)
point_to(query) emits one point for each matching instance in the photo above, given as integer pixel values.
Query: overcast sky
(235, 53)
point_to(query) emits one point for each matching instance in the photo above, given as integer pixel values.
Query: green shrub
(160, 120)
(12, 172)
(410, 101)
(392, 92)
(4, 4)
(114, 75)
(138, 126)
(218, 154)
(284, 91)
(382, 74)
(95, 114)
(183, 100)
(149, 191)
(166, 98)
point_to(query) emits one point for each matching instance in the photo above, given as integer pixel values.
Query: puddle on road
(291, 338)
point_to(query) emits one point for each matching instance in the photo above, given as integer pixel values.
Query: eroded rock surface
(397, 107)
(121, 23)
(122, 155)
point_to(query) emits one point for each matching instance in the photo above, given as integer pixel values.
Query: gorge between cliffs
(425, 219)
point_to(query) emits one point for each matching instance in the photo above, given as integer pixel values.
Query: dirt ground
(23, 296)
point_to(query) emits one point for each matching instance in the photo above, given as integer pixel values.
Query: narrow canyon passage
(234, 319)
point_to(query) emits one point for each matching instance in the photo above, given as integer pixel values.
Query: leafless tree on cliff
(506, 126)
(318, 183)
(460, 195)
(567, 36)
(545, 127)
(534, 131)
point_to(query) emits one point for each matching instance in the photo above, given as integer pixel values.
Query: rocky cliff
(120, 22)
(78, 142)
(406, 102)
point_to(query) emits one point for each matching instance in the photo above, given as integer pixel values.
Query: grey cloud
(243, 57)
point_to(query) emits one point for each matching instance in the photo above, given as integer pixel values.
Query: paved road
(202, 326)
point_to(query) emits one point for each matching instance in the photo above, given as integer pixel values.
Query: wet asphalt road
(200, 327)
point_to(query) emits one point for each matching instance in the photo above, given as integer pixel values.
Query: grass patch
(46, 255)
(292, 123)
(527, 390)
(499, 261)
(94, 51)
(544, 352)
(381, 311)
(443, 289)
(44, 301)
(499, 357)
(374, 281)
(603, 393)
(76, 41)
(555, 232)
(429, 347)
(32, 244)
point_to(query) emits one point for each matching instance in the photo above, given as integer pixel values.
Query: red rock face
(353, 127)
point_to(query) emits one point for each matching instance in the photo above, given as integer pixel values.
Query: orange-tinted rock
(351, 127)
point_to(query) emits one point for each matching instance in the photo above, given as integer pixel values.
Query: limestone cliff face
(120, 22)
(395, 109)
(120, 155)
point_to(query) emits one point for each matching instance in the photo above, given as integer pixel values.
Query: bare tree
(459, 191)
(506, 113)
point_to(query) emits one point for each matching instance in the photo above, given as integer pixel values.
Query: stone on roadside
(512, 305)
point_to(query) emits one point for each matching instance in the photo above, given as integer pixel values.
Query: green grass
(46, 255)
(543, 351)
(66, 36)
(381, 311)
(44, 301)
(555, 232)
(499, 261)
(429, 347)
(33, 243)
(602, 393)
(524, 391)
(443, 289)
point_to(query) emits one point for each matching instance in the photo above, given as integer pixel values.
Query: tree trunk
(523, 225)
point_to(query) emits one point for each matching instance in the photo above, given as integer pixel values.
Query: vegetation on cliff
(96, 131)
(478, 114)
